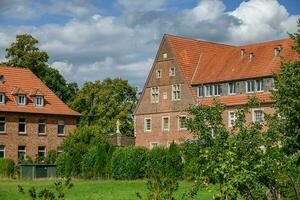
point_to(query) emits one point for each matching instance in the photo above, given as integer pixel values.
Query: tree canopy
(102, 103)
(25, 53)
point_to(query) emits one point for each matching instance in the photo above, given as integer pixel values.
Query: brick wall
(31, 140)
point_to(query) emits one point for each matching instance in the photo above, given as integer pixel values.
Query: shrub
(88, 162)
(51, 157)
(7, 167)
(128, 163)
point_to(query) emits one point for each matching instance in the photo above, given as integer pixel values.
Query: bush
(51, 157)
(128, 163)
(7, 167)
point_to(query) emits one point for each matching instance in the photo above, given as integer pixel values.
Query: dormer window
(21, 100)
(243, 52)
(277, 51)
(2, 98)
(172, 71)
(39, 101)
(251, 57)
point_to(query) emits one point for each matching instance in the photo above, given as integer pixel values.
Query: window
(254, 86)
(217, 90)
(176, 92)
(232, 116)
(172, 71)
(59, 150)
(154, 95)
(21, 100)
(153, 145)
(2, 98)
(231, 88)
(259, 85)
(22, 126)
(147, 125)
(21, 152)
(61, 128)
(2, 125)
(258, 116)
(165, 124)
(42, 127)
(165, 55)
(2, 151)
(208, 90)
(200, 91)
(41, 151)
(182, 123)
(39, 101)
(158, 73)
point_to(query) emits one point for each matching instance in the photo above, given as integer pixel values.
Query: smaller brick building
(33, 120)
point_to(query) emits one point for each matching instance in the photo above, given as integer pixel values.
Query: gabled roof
(207, 62)
(20, 80)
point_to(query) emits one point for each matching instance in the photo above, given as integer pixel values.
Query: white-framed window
(41, 151)
(42, 127)
(172, 71)
(147, 125)
(231, 88)
(258, 116)
(232, 117)
(176, 92)
(217, 90)
(153, 145)
(2, 125)
(254, 86)
(21, 100)
(2, 151)
(39, 101)
(166, 123)
(21, 152)
(2, 98)
(22, 126)
(61, 127)
(154, 95)
(158, 73)
(208, 90)
(182, 123)
(200, 91)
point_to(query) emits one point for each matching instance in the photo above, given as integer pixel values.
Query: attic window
(2, 98)
(158, 73)
(165, 55)
(39, 101)
(277, 50)
(21, 100)
(251, 56)
(243, 52)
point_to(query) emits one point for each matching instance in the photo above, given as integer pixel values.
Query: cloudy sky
(94, 39)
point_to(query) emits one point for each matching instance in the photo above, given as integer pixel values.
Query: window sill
(183, 129)
(61, 135)
(42, 134)
(3, 133)
(22, 134)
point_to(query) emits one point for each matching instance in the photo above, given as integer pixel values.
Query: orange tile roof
(24, 81)
(264, 97)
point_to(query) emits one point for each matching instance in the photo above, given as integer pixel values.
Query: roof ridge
(198, 40)
(14, 67)
(265, 42)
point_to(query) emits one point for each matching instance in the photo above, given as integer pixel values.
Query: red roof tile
(20, 80)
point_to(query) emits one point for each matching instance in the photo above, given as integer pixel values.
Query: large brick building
(188, 72)
(33, 120)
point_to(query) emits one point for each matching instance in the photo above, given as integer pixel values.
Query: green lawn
(91, 190)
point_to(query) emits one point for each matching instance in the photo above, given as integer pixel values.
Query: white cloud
(93, 46)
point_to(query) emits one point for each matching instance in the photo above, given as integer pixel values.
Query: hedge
(128, 163)
(7, 167)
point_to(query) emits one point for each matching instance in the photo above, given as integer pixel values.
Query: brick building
(188, 72)
(33, 120)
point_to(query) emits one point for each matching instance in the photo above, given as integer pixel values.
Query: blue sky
(94, 39)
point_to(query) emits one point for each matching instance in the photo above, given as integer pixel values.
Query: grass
(91, 190)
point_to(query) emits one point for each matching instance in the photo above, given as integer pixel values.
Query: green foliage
(45, 194)
(296, 38)
(25, 53)
(51, 157)
(102, 103)
(7, 167)
(128, 163)
(75, 146)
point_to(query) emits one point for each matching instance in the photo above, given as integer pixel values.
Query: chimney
(243, 52)
(277, 50)
(251, 56)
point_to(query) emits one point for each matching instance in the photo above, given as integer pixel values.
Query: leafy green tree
(25, 53)
(102, 103)
(287, 98)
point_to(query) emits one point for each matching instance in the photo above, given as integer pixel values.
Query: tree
(287, 98)
(25, 53)
(102, 103)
